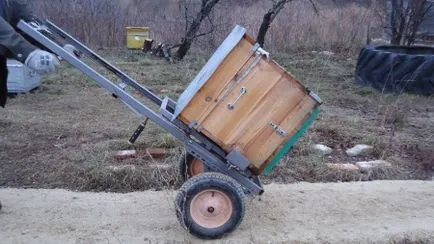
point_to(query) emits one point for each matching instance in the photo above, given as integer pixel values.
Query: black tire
(200, 184)
(397, 69)
(185, 166)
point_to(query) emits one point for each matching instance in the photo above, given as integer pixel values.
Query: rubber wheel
(397, 69)
(190, 166)
(210, 205)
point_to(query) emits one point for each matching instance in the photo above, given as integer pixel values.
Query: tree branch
(315, 8)
(194, 27)
(208, 32)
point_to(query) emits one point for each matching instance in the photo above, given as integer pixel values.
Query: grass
(65, 134)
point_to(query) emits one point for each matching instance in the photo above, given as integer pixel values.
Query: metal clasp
(279, 130)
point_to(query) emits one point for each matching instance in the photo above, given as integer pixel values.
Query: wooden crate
(249, 104)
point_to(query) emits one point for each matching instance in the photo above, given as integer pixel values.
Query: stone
(360, 150)
(322, 149)
(126, 154)
(368, 165)
(327, 53)
(349, 167)
(122, 168)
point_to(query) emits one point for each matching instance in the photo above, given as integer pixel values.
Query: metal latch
(138, 131)
(279, 130)
(243, 91)
(261, 51)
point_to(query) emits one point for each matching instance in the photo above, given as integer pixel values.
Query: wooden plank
(224, 74)
(287, 75)
(228, 88)
(223, 122)
(273, 107)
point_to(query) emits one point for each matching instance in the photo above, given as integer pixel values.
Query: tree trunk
(396, 21)
(406, 18)
(268, 19)
(193, 29)
(188, 39)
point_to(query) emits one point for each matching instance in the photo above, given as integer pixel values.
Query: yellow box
(136, 36)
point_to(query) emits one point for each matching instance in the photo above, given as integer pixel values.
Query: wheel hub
(196, 167)
(211, 208)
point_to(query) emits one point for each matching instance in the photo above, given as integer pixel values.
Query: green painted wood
(288, 146)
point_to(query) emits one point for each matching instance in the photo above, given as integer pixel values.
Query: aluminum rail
(88, 52)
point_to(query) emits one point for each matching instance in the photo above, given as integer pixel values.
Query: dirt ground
(370, 212)
(65, 134)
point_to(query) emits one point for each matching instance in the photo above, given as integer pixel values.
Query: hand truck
(208, 205)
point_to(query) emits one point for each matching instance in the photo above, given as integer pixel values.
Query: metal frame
(195, 143)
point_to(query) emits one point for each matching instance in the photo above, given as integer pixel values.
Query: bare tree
(406, 19)
(270, 16)
(268, 19)
(193, 26)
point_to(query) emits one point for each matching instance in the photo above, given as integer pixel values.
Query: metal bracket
(193, 124)
(245, 178)
(316, 97)
(238, 159)
(167, 106)
(261, 51)
(255, 47)
(122, 85)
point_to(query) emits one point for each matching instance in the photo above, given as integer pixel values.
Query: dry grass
(132, 175)
(65, 134)
(338, 27)
(167, 141)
